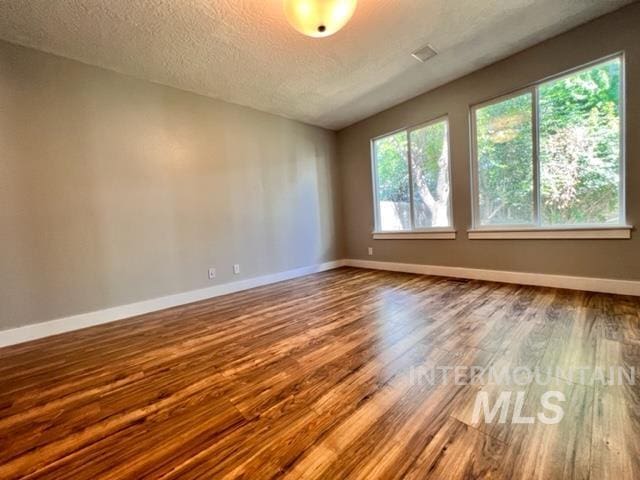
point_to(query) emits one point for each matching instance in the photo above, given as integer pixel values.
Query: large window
(412, 179)
(550, 155)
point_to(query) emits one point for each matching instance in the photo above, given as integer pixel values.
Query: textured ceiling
(244, 52)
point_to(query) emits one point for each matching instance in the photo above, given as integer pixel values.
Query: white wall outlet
(370, 250)
(236, 268)
(212, 273)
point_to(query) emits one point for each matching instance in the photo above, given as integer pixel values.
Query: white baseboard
(83, 320)
(76, 322)
(604, 285)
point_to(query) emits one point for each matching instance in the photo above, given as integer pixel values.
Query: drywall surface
(115, 190)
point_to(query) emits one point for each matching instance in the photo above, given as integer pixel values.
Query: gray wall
(114, 190)
(592, 258)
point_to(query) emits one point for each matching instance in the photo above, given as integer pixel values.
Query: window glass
(430, 175)
(505, 162)
(427, 176)
(392, 182)
(580, 147)
(563, 156)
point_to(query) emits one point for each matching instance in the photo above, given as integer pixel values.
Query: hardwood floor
(316, 378)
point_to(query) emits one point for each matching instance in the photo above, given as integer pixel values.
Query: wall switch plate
(370, 250)
(236, 268)
(212, 273)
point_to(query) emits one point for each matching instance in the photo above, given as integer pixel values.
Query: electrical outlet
(370, 250)
(236, 268)
(212, 273)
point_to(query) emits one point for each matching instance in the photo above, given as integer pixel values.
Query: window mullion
(535, 128)
(411, 221)
(376, 201)
(475, 182)
(622, 160)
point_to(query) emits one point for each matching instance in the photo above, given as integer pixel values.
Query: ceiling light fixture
(319, 18)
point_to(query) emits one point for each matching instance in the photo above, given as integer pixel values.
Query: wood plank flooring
(315, 378)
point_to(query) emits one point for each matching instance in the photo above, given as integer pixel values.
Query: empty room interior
(319, 239)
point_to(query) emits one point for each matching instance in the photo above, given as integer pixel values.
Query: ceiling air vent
(425, 53)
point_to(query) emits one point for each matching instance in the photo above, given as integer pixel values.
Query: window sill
(613, 232)
(416, 235)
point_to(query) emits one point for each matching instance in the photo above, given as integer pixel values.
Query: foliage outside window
(551, 155)
(412, 184)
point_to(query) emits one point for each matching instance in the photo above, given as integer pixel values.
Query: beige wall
(594, 258)
(114, 190)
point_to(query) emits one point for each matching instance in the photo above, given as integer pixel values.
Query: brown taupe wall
(592, 258)
(114, 190)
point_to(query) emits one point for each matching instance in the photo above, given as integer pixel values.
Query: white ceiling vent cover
(425, 53)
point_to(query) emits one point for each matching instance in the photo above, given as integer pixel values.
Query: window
(412, 179)
(550, 156)
(505, 161)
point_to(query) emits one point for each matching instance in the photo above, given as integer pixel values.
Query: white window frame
(431, 233)
(536, 229)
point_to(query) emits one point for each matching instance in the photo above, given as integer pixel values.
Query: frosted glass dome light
(319, 18)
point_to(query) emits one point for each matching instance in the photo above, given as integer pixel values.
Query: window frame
(520, 230)
(439, 233)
